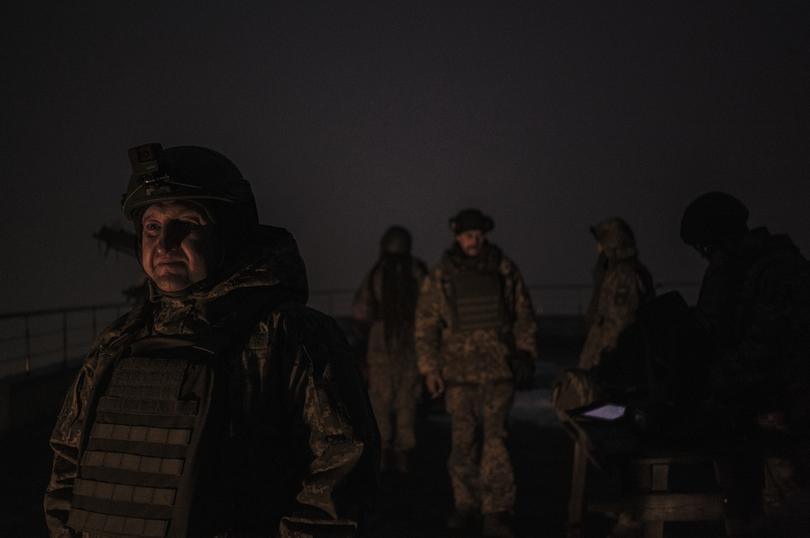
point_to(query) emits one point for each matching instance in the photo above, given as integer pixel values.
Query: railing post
(64, 340)
(27, 347)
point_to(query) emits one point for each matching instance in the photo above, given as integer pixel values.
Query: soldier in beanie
(221, 406)
(475, 339)
(387, 299)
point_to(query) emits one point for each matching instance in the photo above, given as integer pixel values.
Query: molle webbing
(478, 301)
(134, 462)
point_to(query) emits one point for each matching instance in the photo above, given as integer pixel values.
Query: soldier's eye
(151, 228)
(192, 225)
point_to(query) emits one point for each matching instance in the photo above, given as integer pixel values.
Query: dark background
(347, 118)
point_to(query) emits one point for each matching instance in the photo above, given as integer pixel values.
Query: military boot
(497, 525)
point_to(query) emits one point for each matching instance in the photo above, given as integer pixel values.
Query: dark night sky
(548, 115)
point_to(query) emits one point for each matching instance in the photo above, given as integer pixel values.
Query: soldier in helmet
(221, 406)
(621, 284)
(387, 298)
(475, 339)
(755, 302)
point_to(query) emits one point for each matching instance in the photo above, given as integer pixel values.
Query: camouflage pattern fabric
(476, 356)
(484, 483)
(301, 451)
(394, 395)
(393, 381)
(621, 285)
(475, 366)
(755, 301)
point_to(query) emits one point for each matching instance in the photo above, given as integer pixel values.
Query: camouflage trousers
(480, 470)
(785, 498)
(393, 391)
(764, 480)
(786, 491)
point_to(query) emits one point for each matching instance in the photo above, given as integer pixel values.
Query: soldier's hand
(434, 384)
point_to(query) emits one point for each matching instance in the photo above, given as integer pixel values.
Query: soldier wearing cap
(475, 339)
(387, 299)
(221, 406)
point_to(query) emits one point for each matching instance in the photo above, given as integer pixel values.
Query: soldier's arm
(420, 270)
(525, 325)
(64, 442)
(363, 304)
(778, 322)
(428, 325)
(334, 436)
(66, 437)
(621, 309)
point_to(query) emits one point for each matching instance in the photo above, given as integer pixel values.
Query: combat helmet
(713, 218)
(191, 173)
(396, 240)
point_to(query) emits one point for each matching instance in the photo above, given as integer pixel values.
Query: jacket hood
(616, 238)
(270, 258)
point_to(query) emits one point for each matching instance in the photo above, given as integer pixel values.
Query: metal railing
(548, 299)
(36, 339)
(556, 299)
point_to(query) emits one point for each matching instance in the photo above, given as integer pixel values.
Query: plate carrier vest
(479, 301)
(138, 467)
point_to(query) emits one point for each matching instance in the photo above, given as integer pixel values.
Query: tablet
(606, 412)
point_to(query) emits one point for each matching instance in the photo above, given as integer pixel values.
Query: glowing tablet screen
(606, 412)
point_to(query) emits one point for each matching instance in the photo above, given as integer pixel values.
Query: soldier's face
(177, 245)
(471, 242)
(706, 251)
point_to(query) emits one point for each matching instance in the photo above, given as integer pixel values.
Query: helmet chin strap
(155, 293)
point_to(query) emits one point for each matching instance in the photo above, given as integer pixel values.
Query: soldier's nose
(173, 234)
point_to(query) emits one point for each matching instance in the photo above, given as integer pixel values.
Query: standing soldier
(221, 406)
(476, 337)
(621, 285)
(387, 298)
(755, 302)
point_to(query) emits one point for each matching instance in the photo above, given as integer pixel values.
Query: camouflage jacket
(299, 449)
(624, 286)
(481, 355)
(755, 302)
(367, 306)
